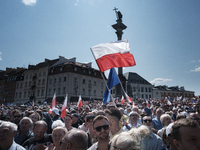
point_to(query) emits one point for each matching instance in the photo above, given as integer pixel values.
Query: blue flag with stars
(112, 81)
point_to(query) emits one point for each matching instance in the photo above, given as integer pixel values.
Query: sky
(164, 35)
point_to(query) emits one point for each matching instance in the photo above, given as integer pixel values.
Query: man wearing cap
(55, 115)
(133, 121)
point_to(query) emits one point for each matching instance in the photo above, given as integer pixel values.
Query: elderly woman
(57, 134)
(165, 120)
(131, 140)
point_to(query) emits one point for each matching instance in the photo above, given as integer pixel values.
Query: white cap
(56, 111)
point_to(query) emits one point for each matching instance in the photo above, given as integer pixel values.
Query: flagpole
(104, 78)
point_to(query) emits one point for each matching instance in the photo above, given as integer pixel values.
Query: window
(142, 89)
(40, 74)
(25, 84)
(149, 89)
(83, 92)
(21, 85)
(43, 81)
(20, 94)
(95, 83)
(89, 72)
(95, 92)
(59, 80)
(44, 73)
(39, 82)
(58, 90)
(61, 69)
(49, 91)
(42, 94)
(95, 73)
(83, 81)
(29, 84)
(38, 92)
(28, 93)
(16, 95)
(75, 68)
(24, 94)
(65, 79)
(64, 89)
(50, 81)
(55, 80)
(89, 92)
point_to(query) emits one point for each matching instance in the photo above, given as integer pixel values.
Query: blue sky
(164, 35)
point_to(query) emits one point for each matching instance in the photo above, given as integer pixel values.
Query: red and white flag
(168, 102)
(114, 54)
(64, 107)
(147, 103)
(122, 100)
(80, 102)
(53, 103)
(129, 99)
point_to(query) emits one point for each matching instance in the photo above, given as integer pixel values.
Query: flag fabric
(53, 103)
(168, 102)
(89, 99)
(112, 81)
(147, 102)
(122, 100)
(64, 107)
(32, 103)
(114, 54)
(129, 99)
(80, 102)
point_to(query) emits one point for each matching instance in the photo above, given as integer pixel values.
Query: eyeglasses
(147, 120)
(105, 127)
(17, 116)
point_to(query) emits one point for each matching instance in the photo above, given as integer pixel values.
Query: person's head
(130, 140)
(194, 116)
(165, 119)
(180, 116)
(144, 105)
(101, 127)
(133, 117)
(89, 120)
(159, 112)
(186, 134)
(114, 116)
(74, 140)
(68, 120)
(57, 134)
(135, 108)
(25, 124)
(7, 133)
(39, 129)
(34, 117)
(75, 118)
(87, 109)
(17, 115)
(55, 112)
(57, 123)
(147, 121)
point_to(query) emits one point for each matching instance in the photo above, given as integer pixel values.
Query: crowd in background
(146, 125)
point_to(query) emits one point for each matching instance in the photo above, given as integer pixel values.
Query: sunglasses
(147, 120)
(105, 127)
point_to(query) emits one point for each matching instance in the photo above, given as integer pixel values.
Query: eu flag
(112, 81)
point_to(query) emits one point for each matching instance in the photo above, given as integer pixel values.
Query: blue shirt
(157, 124)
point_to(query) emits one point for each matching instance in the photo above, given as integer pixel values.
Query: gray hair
(57, 123)
(27, 118)
(132, 139)
(10, 124)
(163, 116)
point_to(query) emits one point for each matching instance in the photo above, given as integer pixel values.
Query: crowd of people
(144, 125)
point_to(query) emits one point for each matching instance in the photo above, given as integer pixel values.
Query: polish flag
(122, 100)
(129, 99)
(168, 102)
(147, 103)
(53, 103)
(64, 107)
(80, 102)
(114, 54)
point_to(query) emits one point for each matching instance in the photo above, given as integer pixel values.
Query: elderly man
(7, 133)
(133, 121)
(157, 125)
(101, 127)
(186, 134)
(40, 139)
(153, 141)
(25, 130)
(74, 140)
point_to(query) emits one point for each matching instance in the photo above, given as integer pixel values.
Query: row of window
(142, 89)
(39, 74)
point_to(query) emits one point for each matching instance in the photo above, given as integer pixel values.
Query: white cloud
(0, 56)
(76, 3)
(195, 70)
(159, 80)
(29, 2)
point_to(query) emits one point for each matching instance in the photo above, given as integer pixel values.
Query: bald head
(75, 140)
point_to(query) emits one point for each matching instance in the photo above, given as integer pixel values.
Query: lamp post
(119, 27)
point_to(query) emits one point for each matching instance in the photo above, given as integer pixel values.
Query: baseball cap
(56, 111)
